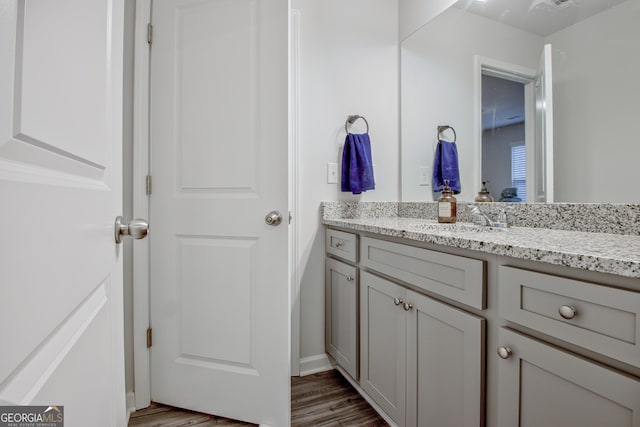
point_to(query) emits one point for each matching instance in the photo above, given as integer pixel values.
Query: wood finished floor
(320, 400)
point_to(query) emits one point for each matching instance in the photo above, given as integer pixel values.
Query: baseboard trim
(314, 364)
(366, 397)
(131, 404)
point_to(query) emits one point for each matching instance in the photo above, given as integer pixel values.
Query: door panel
(216, 115)
(445, 365)
(60, 179)
(383, 344)
(341, 326)
(219, 274)
(541, 385)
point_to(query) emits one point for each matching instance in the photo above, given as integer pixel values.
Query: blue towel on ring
(357, 164)
(445, 166)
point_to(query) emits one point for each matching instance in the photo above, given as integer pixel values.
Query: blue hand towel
(357, 165)
(445, 166)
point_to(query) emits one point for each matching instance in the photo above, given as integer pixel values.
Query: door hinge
(149, 337)
(148, 188)
(149, 33)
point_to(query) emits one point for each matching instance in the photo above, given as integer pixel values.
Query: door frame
(513, 72)
(142, 168)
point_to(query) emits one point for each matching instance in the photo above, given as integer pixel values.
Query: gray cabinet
(445, 364)
(383, 344)
(421, 360)
(341, 316)
(541, 385)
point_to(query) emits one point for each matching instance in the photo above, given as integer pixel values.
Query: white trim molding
(314, 364)
(294, 197)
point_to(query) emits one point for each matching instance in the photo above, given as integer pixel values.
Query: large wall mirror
(480, 67)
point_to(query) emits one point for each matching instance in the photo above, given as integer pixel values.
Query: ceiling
(542, 17)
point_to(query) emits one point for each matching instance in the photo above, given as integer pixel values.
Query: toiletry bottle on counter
(483, 194)
(447, 204)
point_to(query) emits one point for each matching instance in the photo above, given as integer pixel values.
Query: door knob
(273, 218)
(137, 228)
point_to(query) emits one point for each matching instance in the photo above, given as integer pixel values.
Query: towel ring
(351, 120)
(445, 127)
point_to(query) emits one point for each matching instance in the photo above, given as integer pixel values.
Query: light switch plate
(332, 173)
(425, 175)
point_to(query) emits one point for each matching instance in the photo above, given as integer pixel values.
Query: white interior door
(543, 141)
(219, 274)
(61, 313)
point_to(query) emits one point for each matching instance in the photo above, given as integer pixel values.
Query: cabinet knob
(504, 352)
(567, 312)
(397, 301)
(407, 306)
(349, 278)
(339, 244)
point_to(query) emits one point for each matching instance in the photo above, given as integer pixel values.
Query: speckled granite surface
(591, 217)
(602, 252)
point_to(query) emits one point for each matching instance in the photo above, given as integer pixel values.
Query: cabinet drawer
(452, 276)
(602, 319)
(342, 245)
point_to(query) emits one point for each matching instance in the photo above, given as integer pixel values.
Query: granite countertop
(607, 253)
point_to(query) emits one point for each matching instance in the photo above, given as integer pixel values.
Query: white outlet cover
(425, 175)
(332, 173)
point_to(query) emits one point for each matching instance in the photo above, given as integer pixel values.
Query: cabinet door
(383, 344)
(342, 315)
(540, 385)
(445, 364)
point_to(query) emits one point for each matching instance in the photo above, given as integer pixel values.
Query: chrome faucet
(480, 218)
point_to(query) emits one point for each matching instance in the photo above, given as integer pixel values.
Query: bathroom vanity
(462, 325)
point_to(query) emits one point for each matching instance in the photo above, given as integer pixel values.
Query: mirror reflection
(474, 67)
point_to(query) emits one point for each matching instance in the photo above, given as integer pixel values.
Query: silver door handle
(137, 228)
(273, 218)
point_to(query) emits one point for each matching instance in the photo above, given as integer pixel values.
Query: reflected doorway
(504, 154)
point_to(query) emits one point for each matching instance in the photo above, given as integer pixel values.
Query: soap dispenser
(447, 205)
(483, 194)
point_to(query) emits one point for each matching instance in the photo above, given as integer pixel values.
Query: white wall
(414, 14)
(349, 65)
(438, 88)
(596, 83)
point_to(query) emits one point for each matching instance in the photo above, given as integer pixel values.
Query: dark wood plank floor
(320, 400)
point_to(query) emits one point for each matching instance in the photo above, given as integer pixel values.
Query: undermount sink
(454, 228)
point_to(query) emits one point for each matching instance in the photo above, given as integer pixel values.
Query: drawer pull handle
(349, 278)
(339, 244)
(407, 306)
(504, 352)
(567, 312)
(397, 301)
